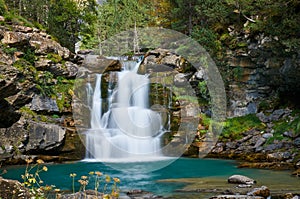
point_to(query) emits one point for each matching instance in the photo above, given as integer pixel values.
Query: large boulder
(240, 179)
(44, 137)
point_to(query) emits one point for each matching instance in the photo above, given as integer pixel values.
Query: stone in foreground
(240, 179)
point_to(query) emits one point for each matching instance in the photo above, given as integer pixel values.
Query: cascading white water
(129, 130)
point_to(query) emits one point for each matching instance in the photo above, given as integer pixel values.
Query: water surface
(166, 180)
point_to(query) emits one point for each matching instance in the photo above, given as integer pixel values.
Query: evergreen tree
(115, 16)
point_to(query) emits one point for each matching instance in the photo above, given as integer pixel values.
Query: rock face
(44, 137)
(36, 81)
(240, 179)
(260, 72)
(42, 103)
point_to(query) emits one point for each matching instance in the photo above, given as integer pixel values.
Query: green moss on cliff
(234, 127)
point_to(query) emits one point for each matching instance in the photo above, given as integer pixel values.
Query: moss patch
(234, 127)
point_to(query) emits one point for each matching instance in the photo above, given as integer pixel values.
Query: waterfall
(129, 129)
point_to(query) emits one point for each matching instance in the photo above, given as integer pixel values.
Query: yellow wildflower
(40, 161)
(84, 177)
(98, 173)
(117, 180)
(107, 178)
(29, 160)
(45, 168)
(91, 173)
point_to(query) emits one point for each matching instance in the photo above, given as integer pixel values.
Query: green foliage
(202, 86)
(116, 16)
(28, 111)
(234, 127)
(55, 116)
(17, 19)
(3, 8)
(45, 83)
(237, 72)
(29, 55)
(188, 98)
(10, 51)
(207, 38)
(55, 58)
(64, 19)
(284, 125)
(25, 67)
(63, 90)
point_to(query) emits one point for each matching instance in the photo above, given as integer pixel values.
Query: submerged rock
(240, 179)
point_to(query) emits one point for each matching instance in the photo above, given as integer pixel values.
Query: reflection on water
(133, 175)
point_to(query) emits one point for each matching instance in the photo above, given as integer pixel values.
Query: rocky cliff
(263, 73)
(36, 82)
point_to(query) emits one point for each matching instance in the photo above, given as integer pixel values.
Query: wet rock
(13, 189)
(240, 179)
(41, 103)
(262, 191)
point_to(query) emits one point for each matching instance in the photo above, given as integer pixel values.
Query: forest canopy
(207, 21)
